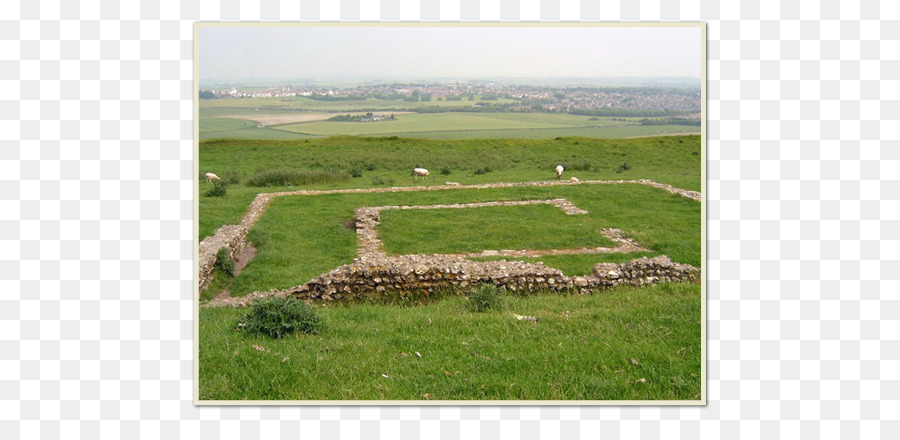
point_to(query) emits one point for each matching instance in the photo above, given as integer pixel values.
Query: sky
(379, 52)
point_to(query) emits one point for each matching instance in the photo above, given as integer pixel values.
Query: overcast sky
(235, 53)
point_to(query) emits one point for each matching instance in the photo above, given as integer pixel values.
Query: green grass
(468, 230)
(214, 128)
(426, 122)
(432, 126)
(300, 247)
(674, 160)
(665, 159)
(581, 349)
(609, 132)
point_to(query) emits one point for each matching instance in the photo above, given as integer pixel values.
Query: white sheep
(420, 172)
(451, 183)
(573, 179)
(559, 171)
(210, 177)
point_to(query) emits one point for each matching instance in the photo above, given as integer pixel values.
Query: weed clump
(219, 189)
(578, 166)
(277, 317)
(623, 167)
(486, 298)
(225, 262)
(231, 177)
(379, 181)
(295, 177)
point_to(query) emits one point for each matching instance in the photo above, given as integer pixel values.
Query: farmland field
(384, 162)
(212, 128)
(628, 343)
(303, 103)
(299, 117)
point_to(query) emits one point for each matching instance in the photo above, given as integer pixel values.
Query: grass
(626, 344)
(289, 177)
(227, 122)
(387, 162)
(452, 231)
(425, 122)
(298, 247)
(213, 128)
(610, 132)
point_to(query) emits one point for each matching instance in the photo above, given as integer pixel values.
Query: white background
(96, 225)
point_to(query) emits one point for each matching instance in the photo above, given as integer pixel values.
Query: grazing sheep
(420, 172)
(451, 183)
(559, 171)
(574, 179)
(210, 177)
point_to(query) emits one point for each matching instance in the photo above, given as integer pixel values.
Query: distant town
(488, 96)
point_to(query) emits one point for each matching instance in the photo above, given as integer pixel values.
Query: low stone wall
(370, 278)
(231, 237)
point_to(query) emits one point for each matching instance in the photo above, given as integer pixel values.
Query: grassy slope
(293, 248)
(586, 342)
(674, 160)
(581, 349)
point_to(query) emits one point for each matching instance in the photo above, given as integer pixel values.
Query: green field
(470, 230)
(212, 128)
(488, 125)
(626, 344)
(221, 118)
(425, 122)
(387, 162)
(608, 132)
(294, 248)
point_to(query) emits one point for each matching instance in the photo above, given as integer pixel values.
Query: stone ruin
(231, 237)
(371, 278)
(375, 274)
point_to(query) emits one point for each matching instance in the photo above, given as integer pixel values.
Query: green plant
(225, 262)
(623, 167)
(285, 177)
(379, 181)
(487, 297)
(577, 166)
(280, 316)
(231, 177)
(445, 171)
(218, 190)
(356, 172)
